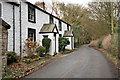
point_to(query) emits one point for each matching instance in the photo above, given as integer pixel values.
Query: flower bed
(25, 67)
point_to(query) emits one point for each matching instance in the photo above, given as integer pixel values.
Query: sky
(83, 2)
(48, 2)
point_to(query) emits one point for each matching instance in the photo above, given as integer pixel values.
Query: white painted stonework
(42, 17)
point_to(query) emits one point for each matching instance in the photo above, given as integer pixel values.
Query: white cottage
(29, 21)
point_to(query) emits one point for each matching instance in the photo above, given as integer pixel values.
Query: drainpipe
(20, 32)
(14, 28)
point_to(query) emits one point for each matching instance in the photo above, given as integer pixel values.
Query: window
(60, 26)
(67, 27)
(51, 19)
(32, 34)
(31, 14)
(60, 35)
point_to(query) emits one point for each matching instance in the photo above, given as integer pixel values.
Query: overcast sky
(65, 1)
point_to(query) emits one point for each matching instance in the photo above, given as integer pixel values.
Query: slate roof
(11, 1)
(4, 24)
(46, 28)
(68, 33)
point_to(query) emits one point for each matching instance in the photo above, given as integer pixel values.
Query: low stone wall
(3, 49)
(4, 64)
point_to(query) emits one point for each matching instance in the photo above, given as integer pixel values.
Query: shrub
(46, 43)
(12, 57)
(100, 44)
(41, 50)
(30, 47)
(113, 48)
(63, 42)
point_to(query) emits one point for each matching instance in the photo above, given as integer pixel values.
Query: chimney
(40, 5)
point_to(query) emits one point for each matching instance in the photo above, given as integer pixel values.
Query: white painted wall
(7, 15)
(64, 28)
(52, 47)
(41, 18)
(71, 45)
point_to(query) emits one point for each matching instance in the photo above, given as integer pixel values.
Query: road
(83, 63)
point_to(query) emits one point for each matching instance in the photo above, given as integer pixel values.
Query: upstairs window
(32, 34)
(67, 27)
(60, 25)
(31, 14)
(51, 19)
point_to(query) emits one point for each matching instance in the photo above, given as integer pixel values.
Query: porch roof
(4, 24)
(68, 33)
(48, 28)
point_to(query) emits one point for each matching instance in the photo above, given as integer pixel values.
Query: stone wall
(3, 48)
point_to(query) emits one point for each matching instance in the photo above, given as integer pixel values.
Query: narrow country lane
(83, 63)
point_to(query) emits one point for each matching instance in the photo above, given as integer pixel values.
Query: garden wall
(3, 49)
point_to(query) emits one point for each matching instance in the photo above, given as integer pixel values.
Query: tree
(76, 15)
(104, 12)
(90, 23)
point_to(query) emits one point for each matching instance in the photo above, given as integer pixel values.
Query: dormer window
(60, 25)
(67, 27)
(31, 13)
(51, 19)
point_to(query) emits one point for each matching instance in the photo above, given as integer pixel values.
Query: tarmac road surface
(85, 62)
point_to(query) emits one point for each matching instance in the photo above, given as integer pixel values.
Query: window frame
(31, 13)
(60, 25)
(68, 27)
(51, 19)
(32, 31)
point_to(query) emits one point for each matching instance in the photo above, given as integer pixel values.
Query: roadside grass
(112, 51)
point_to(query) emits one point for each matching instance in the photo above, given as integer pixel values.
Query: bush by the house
(41, 50)
(30, 47)
(63, 42)
(12, 57)
(46, 43)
